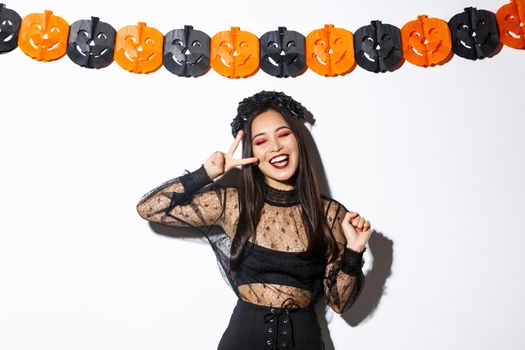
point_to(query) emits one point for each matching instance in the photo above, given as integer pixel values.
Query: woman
(280, 244)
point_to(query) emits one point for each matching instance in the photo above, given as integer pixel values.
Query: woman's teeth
(279, 162)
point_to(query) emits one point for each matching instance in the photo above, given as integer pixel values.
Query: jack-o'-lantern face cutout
(283, 53)
(9, 27)
(378, 47)
(43, 36)
(91, 43)
(426, 41)
(511, 23)
(187, 52)
(138, 49)
(330, 51)
(235, 53)
(474, 34)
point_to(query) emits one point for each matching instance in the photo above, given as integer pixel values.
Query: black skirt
(258, 327)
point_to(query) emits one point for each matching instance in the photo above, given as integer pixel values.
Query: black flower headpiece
(263, 100)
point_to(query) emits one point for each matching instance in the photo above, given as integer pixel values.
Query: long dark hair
(321, 243)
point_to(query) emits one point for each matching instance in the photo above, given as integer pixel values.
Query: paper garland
(235, 53)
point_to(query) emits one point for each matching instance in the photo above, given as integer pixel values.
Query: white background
(434, 157)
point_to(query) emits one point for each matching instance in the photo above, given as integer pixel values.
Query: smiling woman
(280, 245)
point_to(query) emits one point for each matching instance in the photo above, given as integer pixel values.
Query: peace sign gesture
(219, 163)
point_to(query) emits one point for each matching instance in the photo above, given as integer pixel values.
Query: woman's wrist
(356, 247)
(195, 180)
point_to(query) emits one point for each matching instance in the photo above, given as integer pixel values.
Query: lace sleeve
(182, 202)
(344, 278)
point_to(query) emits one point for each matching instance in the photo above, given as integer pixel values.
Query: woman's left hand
(357, 231)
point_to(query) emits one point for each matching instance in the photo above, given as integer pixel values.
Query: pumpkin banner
(329, 51)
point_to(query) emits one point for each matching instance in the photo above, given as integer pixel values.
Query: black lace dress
(275, 286)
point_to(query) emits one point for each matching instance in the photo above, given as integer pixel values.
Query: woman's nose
(276, 146)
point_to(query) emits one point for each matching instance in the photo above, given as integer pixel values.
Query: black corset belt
(281, 326)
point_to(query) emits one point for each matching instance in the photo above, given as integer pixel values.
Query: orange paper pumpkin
(330, 51)
(235, 53)
(43, 36)
(426, 41)
(511, 23)
(138, 49)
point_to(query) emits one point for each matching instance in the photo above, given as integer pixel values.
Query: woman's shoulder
(332, 205)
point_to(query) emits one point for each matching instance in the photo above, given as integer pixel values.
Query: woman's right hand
(219, 163)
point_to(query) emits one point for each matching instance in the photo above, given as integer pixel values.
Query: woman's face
(275, 145)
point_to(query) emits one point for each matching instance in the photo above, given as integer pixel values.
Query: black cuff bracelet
(352, 262)
(195, 180)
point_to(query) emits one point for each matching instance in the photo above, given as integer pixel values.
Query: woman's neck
(279, 185)
(280, 197)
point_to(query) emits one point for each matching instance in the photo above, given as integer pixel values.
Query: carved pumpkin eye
(196, 43)
(290, 44)
(102, 36)
(6, 22)
(83, 33)
(178, 42)
(273, 44)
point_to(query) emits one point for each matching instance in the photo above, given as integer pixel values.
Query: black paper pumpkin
(474, 34)
(187, 52)
(378, 47)
(283, 53)
(9, 27)
(91, 43)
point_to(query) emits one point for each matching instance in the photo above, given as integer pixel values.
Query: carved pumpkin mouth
(416, 51)
(330, 59)
(189, 59)
(44, 44)
(514, 35)
(271, 60)
(282, 58)
(90, 53)
(8, 38)
(465, 44)
(239, 60)
(139, 55)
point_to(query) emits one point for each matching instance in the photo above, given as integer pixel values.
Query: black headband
(263, 100)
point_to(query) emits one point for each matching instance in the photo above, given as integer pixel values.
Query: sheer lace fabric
(280, 236)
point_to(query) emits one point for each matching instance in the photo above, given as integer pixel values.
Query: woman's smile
(275, 145)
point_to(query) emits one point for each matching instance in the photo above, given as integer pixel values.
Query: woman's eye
(259, 142)
(284, 134)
